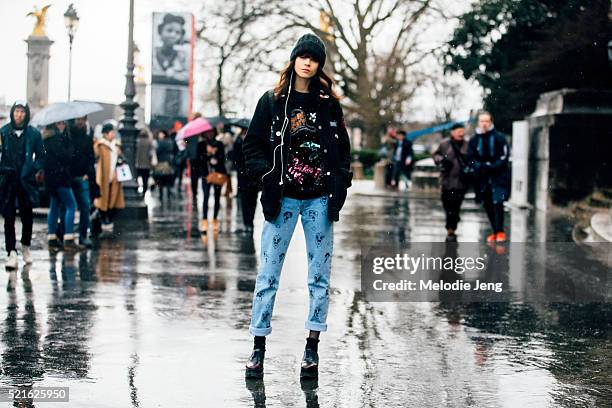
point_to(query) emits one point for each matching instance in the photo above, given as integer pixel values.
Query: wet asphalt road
(157, 316)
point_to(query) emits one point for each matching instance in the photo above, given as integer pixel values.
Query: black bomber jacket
(263, 153)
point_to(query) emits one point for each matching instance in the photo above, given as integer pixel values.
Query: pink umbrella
(195, 127)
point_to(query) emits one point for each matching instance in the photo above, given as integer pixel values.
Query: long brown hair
(324, 82)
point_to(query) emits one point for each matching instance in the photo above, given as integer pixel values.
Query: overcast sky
(100, 48)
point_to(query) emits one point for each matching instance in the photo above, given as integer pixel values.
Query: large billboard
(172, 68)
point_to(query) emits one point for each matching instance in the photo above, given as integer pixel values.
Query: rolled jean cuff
(258, 331)
(320, 327)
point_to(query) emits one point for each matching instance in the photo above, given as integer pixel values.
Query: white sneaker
(11, 263)
(108, 227)
(25, 252)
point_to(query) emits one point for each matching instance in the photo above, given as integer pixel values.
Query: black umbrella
(241, 123)
(215, 120)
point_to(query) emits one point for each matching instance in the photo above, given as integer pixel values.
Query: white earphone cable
(283, 129)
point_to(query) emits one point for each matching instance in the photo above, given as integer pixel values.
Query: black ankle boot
(310, 361)
(254, 367)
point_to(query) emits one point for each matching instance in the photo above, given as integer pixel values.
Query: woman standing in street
(60, 151)
(213, 159)
(111, 192)
(298, 148)
(164, 170)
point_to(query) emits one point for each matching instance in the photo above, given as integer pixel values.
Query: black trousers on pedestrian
(495, 212)
(451, 201)
(248, 200)
(25, 213)
(398, 170)
(195, 175)
(388, 174)
(144, 175)
(217, 191)
(180, 170)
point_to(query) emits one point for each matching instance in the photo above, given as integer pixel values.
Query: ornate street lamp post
(71, 21)
(135, 206)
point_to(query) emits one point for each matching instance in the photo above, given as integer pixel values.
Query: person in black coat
(488, 154)
(82, 173)
(165, 170)
(58, 178)
(402, 159)
(192, 151)
(297, 147)
(21, 161)
(247, 189)
(211, 156)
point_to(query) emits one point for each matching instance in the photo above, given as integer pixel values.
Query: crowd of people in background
(207, 159)
(78, 172)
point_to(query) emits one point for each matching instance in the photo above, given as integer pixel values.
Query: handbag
(124, 173)
(216, 178)
(163, 169)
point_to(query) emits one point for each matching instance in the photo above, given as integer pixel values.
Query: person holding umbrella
(57, 165)
(214, 174)
(21, 160)
(298, 148)
(192, 135)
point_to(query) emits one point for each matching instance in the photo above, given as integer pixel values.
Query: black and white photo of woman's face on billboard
(171, 48)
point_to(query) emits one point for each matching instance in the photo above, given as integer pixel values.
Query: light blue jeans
(275, 240)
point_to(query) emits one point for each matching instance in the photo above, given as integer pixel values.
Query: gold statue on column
(39, 28)
(325, 23)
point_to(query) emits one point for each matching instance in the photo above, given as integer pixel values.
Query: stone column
(570, 140)
(520, 163)
(38, 72)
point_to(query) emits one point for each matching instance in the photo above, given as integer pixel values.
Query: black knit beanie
(310, 44)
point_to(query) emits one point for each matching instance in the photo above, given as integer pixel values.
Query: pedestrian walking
(226, 137)
(58, 182)
(164, 170)
(248, 190)
(195, 146)
(108, 156)
(145, 155)
(214, 175)
(488, 154)
(82, 171)
(298, 148)
(451, 156)
(180, 164)
(21, 161)
(402, 160)
(385, 153)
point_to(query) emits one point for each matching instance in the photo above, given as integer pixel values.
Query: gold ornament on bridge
(39, 28)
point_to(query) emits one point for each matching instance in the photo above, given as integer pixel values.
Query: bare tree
(374, 49)
(228, 29)
(449, 94)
